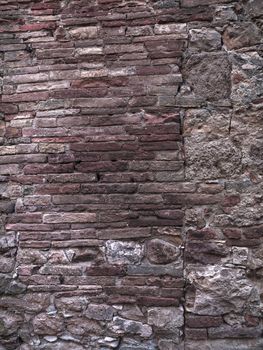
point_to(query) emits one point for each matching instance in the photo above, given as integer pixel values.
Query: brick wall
(131, 175)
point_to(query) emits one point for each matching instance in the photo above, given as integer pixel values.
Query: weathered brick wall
(131, 175)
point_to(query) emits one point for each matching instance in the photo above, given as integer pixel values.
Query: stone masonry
(131, 171)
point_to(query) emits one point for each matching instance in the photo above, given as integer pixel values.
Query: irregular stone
(240, 255)
(122, 326)
(9, 323)
(168, 344)
(246, 77)
(233, 319)
(109, 342)
(119, 252)
(29, 302)
(45, 324)
(7, 206)
(30, 256)
(60, 34)
(201, 71)
(204, 39)
(254, 8)
(51, 338)
(166, 318)
(241, 35)
(6, 264)
(219, 290)
(7, 241)
(133, 344)
(62, 345)
(57, 257)
(101, 312)
(224, 14)
(159, 251)
(165, 4)
(80, 326)
(67, 304)
(132, 313)
(255, 259)
(10, 286)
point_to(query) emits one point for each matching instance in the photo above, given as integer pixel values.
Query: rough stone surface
(121, 326)
(219, 290)
(212, 160)
(131, 175)
(166, 319)
(204, 40)
(123, 252)
(99, 312)
(208, 75)
(241, 35)
(47, 324)
(159, 251)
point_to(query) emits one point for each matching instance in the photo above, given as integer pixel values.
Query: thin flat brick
(69, 217)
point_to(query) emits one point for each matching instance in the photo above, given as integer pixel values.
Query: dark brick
(196, 321)
(106, 270)
(195, 334)
(157, 301)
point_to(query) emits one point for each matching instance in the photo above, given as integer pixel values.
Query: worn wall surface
(131, 175)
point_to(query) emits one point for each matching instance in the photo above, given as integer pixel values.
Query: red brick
(196, 321)
(8, 108)
(198, 13)
(195, 334)
(106, 270)
(26, 97)
(73, 93)
(47, 169)
(26, 218)
(101, 166)
(192, 199)
(36, 26)
(157, 301)
(55, 189)
(69, 217)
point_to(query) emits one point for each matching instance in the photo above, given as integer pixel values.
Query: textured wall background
(131, 175)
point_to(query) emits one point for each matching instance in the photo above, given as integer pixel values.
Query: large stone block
(166, 319)
(219, 290)
(208, 76)
(212, 160)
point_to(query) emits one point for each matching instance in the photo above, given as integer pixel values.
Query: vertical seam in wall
(183, 230)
